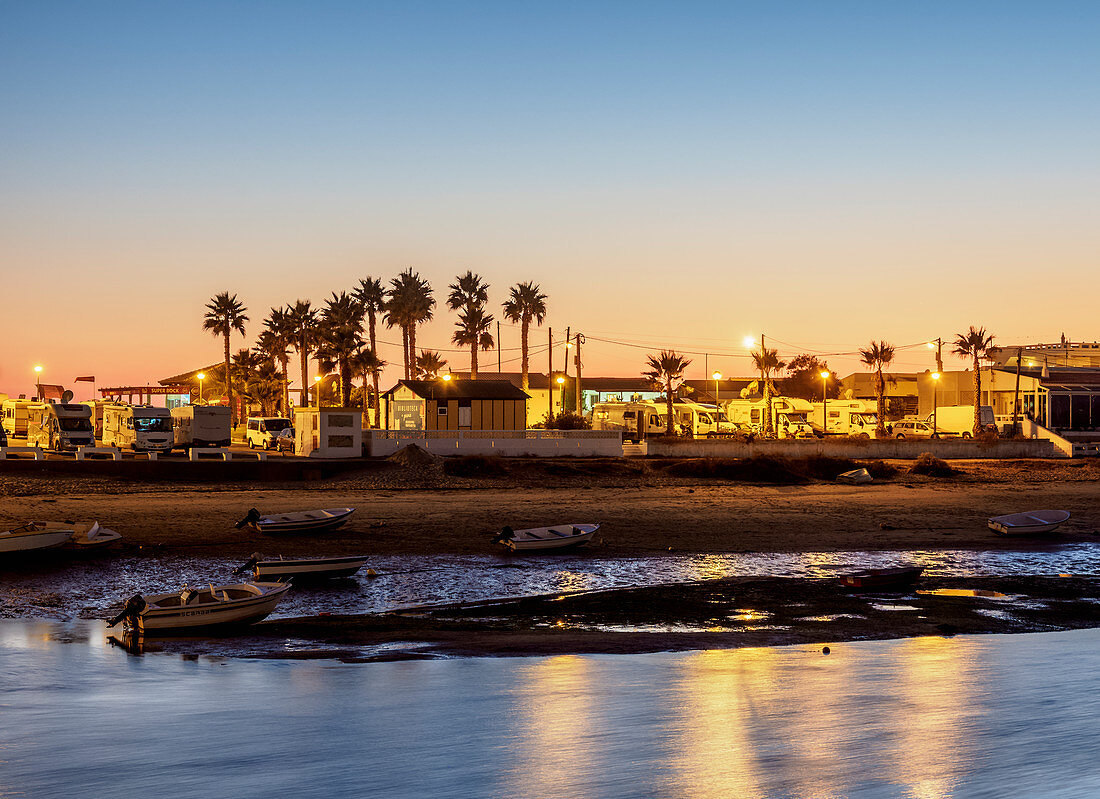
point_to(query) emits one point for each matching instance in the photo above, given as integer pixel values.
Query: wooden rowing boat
(1029, 523)
(302, 569)
(307, 521)
(560, 536)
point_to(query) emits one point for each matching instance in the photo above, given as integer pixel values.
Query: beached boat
(1029, 523)
(35, 536)
(89, 535)
(559, 536)
(882, 578)
(307, 521)
(201, 608)
(855, 477)
(302, 569)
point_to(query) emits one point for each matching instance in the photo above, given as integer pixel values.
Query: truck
(846, 417)
(59, 426)
(142, 428)
(789, 416)
(958, 420)
(200, 426)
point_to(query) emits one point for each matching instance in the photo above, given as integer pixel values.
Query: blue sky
(827, 172)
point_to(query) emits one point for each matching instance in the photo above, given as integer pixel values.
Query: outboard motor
(507, 534)
(250, 520)
(253, 559)
(134, 606)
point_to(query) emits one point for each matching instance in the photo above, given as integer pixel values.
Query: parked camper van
(846, 417)
(263, 430)
(788, 416)
(96, 406)
(958, 420)
(15, 413)
(137, 427)
(59, 426)
(200, 426)
(635, 420)
(698, 420)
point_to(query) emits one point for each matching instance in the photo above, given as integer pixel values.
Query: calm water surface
(981, 716)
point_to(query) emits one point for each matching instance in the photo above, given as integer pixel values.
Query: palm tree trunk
(285, 362)
(668, 397)
(229, 385)
(345, 384)
(305, 370)
(473, 361)
(377, 401)
(977, 397)
(767, 404)
(405, 349)
(525, 326)
(880, 425)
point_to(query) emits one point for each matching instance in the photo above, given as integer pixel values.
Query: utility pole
(568, 346)
(577, 393)
(550, 375)
(498, 346)
(764, 385)
(1016, 396)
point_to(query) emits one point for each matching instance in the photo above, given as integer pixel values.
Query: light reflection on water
(89, 588)
(980, 716)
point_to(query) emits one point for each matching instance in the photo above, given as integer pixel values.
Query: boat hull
(1033, 523)
(210, 615)
(300, 523)
(307, 569)
(881, 578)
(48, 535)
(557, 537)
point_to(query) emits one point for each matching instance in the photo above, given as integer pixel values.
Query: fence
(889, 449)
(509, 443)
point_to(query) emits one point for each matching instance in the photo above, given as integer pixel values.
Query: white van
(200, 426)
(958, 420)
(60, 426)
(263, 430)
(137, 427)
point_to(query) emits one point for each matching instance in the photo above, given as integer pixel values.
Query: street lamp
(935, 403)
(717, 406)
(317, 386)
(201, 376)
(825, 402)
(38, 382)
(447, 377)
(561, 385)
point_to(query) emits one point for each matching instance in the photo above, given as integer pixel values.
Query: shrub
(881, 470)
(824, 467)
(928, 464)
(569, 421)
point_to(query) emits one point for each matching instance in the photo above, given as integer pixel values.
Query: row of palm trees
(666, 370)
(341, 335)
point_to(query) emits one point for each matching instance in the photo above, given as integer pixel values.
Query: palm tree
(275, 341)
(340, 336)
(302, 327)
(878, 356)
(409, 303)
(472, 330)
(526, 302)
(666, 370)
(469, 295)
(429, 364)
(975, 344)
(767, 363)
(224, 314)
(372, 297)
(367, 363)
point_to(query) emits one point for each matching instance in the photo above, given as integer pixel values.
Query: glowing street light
(201, 376)
(935, 404)
(561, 385)
(749, 342)
(825, 401)
(38, 381)
(717, 405)
(447, 377)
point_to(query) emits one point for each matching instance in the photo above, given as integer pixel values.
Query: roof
(192, 376)
(457, 388)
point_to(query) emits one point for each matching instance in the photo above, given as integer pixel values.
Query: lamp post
(201, 376)
(935, 403)
(717, 406)
(825, 402)
(561, 386)
(317, 387)
(38, 382)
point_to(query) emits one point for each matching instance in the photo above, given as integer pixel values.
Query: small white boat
(202, 608)
(558, 536)
(34, 536)
(1029, 523)
(855, 477)
(89, 535)
(302, 569)
(307, 521)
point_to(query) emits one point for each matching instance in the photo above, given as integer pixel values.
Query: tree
(372, 297)
(472, 330)
(340, 336)
(975, 344)
(767, 363)
(469, 295)
(803, 378)
(666, 370)
(367, 363)
(409, 303)
(429, 364)
(526, 302)
(878, 356)
(302, 325)
(224, 314)
(275, 341)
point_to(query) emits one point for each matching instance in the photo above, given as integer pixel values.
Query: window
(441, 410)
(340, 441)
(339, 420)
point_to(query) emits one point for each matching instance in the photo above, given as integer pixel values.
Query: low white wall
(507, 443)
(892, 449)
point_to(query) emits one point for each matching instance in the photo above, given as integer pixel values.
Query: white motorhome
(137, 427)
(958, 420)
(200, 426)
(789, 416)
(261, 431)
(15, 413)
(699, 420)
(635, 420)
(97, 406)
(59, 426)
(846, 417)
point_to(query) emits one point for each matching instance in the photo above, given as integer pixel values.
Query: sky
(673, 175)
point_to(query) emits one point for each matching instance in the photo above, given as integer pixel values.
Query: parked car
(284, 442)
(263, 430)
(914, 428)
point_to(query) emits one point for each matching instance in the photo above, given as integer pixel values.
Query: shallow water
(90, 588)
(981, 716)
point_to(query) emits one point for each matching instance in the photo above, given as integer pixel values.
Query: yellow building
(455, 404)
